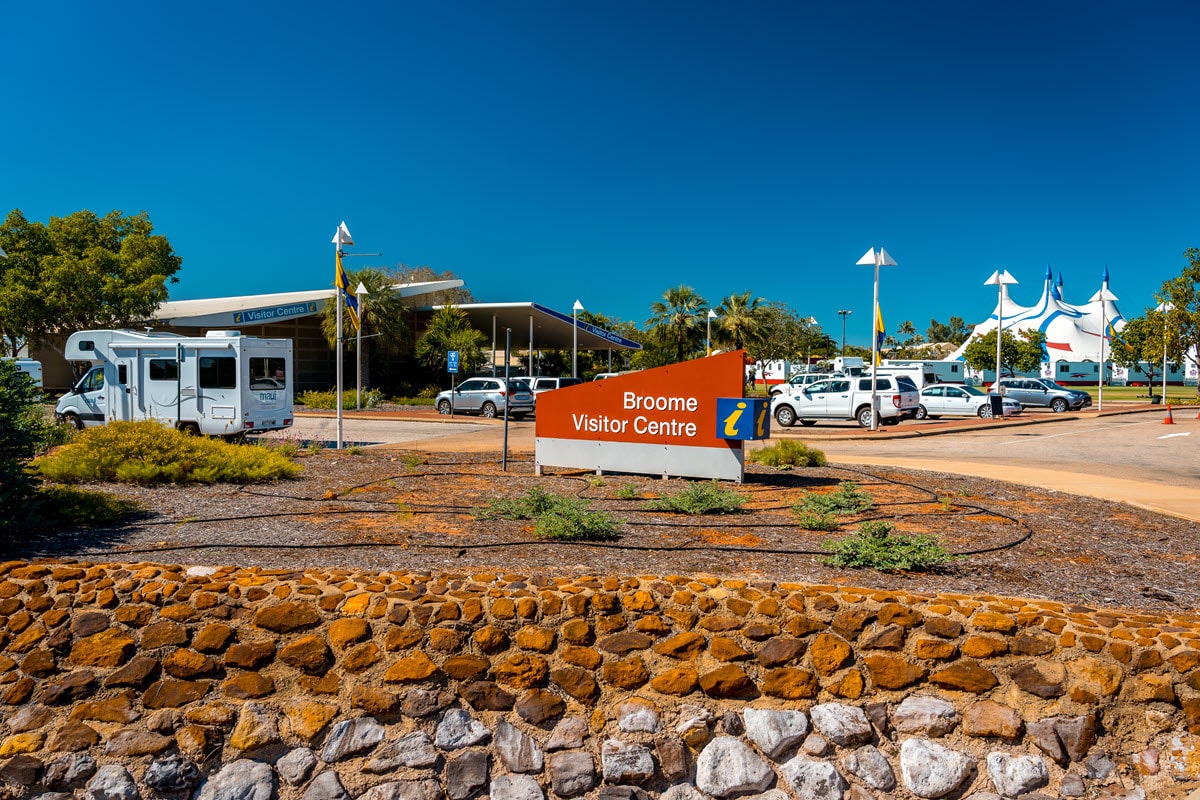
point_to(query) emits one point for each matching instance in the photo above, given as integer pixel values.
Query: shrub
(559, 518)
(787, 454)
(60, 506)
(574, 521)
(701, 498)
(847, 499)
(816, 521)
(147, 452)
(875, 546)
(372, 398)
(628, 491)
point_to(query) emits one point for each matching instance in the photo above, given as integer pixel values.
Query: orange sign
(671, 405)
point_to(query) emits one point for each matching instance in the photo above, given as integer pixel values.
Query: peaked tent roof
(1072, 332)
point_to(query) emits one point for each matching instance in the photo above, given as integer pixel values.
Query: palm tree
(450, 329)
(678, 318)
(741, 320)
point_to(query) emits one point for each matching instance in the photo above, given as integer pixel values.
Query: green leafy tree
(1183, 319)
(739, 323)
(24, 430)
(679, 318)
(450, 329)
(783, 335)
(1019, 353)
(78, 272)
(1139, 345)
(955, 332)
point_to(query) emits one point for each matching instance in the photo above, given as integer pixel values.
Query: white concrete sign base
(720, 463)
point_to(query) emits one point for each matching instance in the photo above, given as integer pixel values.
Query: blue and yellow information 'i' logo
(743, 418)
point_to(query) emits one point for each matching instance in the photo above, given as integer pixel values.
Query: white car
(847, 398)
(958, 400)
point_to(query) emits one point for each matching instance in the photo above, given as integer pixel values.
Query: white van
(220, 384)
(30, 366)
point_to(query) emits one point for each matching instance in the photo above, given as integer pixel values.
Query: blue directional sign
(452, 361)
(743, 418)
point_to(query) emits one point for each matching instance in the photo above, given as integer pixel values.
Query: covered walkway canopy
(536, 327)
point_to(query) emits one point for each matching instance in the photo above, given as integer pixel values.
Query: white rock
(930, 770)
(842, 724)
(814, 780)
(516, 787)
(775, 732)
(1016, 775)
(929, 716)
(871, 767)
(728, 766)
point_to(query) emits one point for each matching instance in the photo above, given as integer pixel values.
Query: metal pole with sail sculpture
(878, 259)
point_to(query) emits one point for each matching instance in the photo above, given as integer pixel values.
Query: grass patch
(147, 452)
(875, 546)
(701, 498)
(787, 454)
(556, 517)
(847, 499)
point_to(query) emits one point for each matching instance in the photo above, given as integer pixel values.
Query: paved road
(1129, 457)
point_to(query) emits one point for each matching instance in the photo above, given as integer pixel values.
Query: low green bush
(372, 398)
(875, 546)
(816, 521)
(700, 498)
(558, 518)
(787, 454)
(148, 452)
(847, 499)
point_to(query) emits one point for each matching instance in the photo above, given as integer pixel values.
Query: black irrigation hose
(933, 497)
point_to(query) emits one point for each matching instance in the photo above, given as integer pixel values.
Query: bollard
(1169, 420)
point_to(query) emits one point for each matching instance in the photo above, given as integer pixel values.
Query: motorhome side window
(268, 373)
(218, 372)
(162, 369)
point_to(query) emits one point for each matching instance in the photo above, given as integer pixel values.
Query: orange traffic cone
(1169, 420)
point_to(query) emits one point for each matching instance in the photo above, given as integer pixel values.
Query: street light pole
(575, 309)
(1163, 308)
(843, 314)
(1000, 278)
(878, 260)
(708, 333)
(1103, 295)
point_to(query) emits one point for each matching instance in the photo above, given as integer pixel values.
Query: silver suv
(488, 397)
(1044, 393)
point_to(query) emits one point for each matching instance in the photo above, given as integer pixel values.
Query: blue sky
(606, 152)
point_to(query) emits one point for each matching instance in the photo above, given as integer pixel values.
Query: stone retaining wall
(120, 681)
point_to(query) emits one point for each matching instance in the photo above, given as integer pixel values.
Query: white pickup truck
(843, 398)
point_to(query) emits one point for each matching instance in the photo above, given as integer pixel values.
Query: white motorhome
(943, 371)
(30, 367)
(220, 384)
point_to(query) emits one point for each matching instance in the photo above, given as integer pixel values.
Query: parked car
(847, 398)
(957, 400)
(542, 383)
(802, 379)
(487, 397)
(1044, 393)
